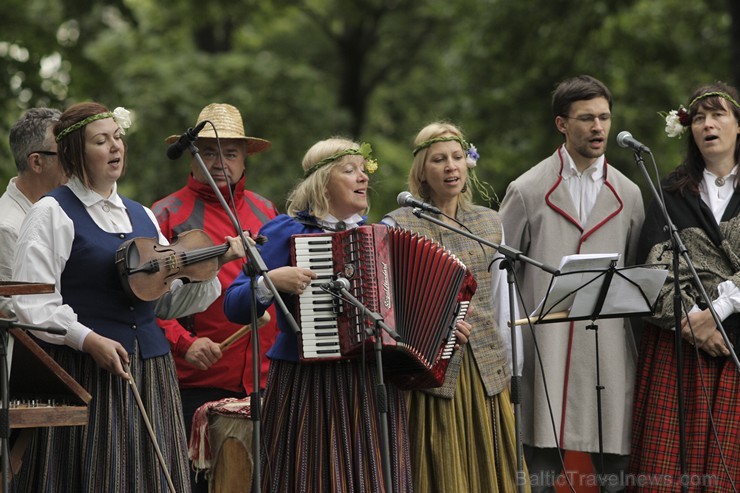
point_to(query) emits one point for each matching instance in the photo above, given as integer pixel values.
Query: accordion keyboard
(318, 317)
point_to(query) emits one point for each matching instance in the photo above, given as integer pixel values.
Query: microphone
(405, 199)
(174, 151)
(336, 285)
(625, 139)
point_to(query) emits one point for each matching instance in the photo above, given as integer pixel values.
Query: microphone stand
(381, 394)
(512, 255)
(5, 326)
(255, 267)
(680, 249)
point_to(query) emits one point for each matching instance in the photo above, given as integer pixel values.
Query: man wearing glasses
(35, 153)
(574, 202)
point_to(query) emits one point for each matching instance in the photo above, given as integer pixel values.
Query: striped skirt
(467, 443)
(114, 452)
(322, 432)
(654, 465)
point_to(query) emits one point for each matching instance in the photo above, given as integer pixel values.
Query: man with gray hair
(35, 153)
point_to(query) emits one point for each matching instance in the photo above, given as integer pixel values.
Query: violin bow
(144, 415)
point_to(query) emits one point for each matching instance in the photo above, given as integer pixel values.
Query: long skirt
(712, 418)
(114, 452)
(467, 443)
(322, 431)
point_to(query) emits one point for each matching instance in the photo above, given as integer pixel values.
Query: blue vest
(90, 283)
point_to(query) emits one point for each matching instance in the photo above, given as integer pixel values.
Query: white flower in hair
(122, 117)
(676, 122)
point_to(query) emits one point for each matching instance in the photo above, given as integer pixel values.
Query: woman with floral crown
(462, 434)
(702, 199)
(112, 342)
(321, 430)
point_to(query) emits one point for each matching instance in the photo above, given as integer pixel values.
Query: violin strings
(202, 254)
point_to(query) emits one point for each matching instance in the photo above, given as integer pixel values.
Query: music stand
(592, 287)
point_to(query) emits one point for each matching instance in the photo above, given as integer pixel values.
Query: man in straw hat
(206, 373)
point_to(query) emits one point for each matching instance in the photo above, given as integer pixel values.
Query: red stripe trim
(567, 374)
(572, 324)
(565, 387)
(583, 238)
(607, 218)
(560, 211)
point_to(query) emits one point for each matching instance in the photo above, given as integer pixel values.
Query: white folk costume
(541, 219)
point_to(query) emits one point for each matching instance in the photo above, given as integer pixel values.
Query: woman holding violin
(70, 238)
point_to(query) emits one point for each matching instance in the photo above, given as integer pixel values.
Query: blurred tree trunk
(375, 42)
(734, 8)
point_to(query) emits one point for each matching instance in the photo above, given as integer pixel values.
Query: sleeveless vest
(486, 341)
(90, 283)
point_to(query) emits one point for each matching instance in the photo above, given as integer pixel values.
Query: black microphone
(336, 285)
(174, 151)
(625, 139)
(405, 199)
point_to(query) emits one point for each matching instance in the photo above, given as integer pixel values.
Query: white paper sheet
(576, 289)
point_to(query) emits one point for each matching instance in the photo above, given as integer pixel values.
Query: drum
(226, 453)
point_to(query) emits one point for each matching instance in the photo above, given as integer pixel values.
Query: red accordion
(419, 288)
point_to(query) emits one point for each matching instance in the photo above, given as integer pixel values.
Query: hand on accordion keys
(289, 279)
(462, 333)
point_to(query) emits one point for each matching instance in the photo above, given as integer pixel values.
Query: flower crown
(365, 150)
(120, 115)
(678, 121)
(485, 189)
(471, 153)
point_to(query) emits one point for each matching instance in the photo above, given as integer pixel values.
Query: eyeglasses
(45, 153)
(603, 118)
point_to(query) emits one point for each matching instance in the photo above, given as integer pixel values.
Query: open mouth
(710, 138)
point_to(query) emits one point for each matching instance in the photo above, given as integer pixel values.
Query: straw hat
(229, 125)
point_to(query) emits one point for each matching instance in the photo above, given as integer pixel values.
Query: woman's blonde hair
(310, 194)
(417, 180)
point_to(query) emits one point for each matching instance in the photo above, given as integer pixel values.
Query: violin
(147, 268)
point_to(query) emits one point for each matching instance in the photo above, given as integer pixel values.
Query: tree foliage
(375, 70)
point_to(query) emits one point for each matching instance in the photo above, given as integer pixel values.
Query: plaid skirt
(467, 443)
(322, 433)
(114, 452)
(712, 419)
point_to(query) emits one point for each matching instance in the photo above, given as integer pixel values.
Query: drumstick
(241, 332)
(149, 428)
(549, 316)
